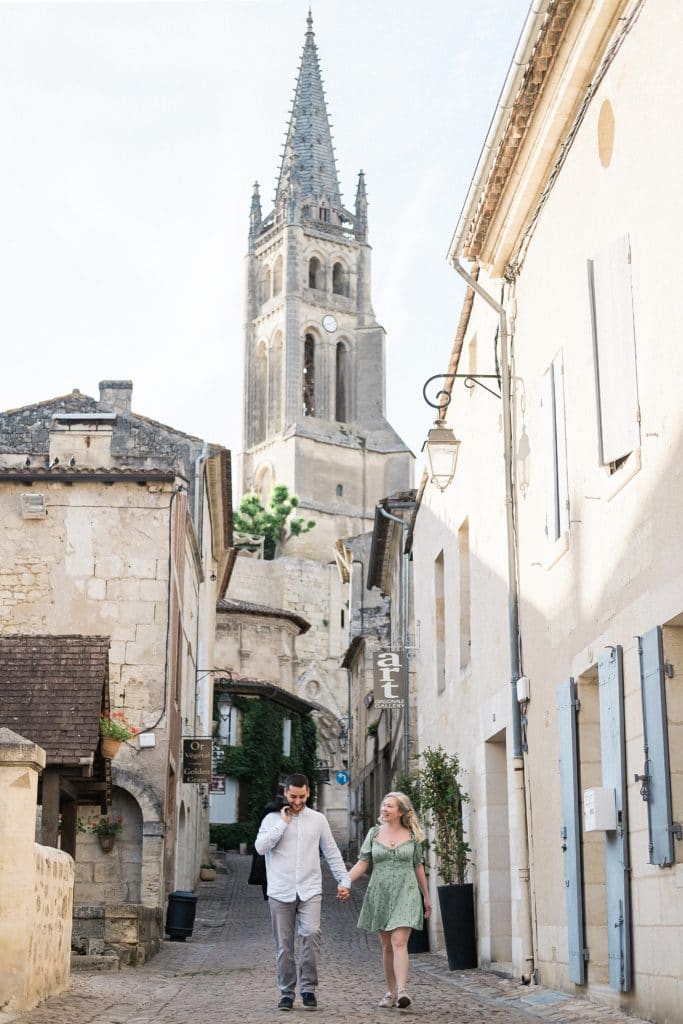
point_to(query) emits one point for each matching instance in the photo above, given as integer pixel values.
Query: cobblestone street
(225, 973)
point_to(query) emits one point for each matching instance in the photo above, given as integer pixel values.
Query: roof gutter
(520, 62)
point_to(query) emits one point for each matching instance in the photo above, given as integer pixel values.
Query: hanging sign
(197, 760)
(387, 671)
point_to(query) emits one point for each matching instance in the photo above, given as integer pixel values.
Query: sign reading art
(387, 673)
(197, 761)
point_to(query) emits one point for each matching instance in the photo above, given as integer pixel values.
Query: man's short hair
(298, 780)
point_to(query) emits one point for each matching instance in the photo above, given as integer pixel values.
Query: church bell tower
(314, 405)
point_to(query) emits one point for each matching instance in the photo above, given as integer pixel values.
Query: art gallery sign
(387, 667)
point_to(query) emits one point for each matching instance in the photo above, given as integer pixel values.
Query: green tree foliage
(441, 798)
(258, 761)
(274, 523)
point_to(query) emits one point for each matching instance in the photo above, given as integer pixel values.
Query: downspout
(404, 636)
(519, 787)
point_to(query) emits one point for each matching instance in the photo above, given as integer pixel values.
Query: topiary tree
(274, 523)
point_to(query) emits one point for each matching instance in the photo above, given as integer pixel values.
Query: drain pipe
(519, 785)
(404, 638)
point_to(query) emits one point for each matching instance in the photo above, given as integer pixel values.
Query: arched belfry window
(259, 423)
(340, 281)
(277, 276)
(275, 386)
(308, 376)
(315, 273)
(265, 284)
(342, 383)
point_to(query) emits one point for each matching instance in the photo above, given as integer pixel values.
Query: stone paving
(225, 974)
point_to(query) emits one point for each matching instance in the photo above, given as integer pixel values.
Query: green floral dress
(393, 897)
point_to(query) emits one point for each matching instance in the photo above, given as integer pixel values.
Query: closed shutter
(657, 784)
(571, 828)
(609, 276)
(617, 866)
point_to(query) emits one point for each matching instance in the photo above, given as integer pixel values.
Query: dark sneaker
(309, 1001)
(286, 1003)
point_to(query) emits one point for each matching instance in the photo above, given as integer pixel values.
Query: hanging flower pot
(114, 730)
(106, 842)
(106, 827)
(110, 746)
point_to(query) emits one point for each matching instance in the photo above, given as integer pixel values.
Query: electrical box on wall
(599, 810)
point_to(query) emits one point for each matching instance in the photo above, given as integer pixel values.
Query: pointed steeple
(308, 166)
(255, 212)
(361, 225)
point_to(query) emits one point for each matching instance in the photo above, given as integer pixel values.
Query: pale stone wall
(618, 570)
(36, 887)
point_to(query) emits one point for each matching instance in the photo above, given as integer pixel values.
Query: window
(557, 495)
(286, 737)
(265, 284)
(277, 276)
(340, 490)
(275, 386)
(308, 383)
(439, 623)
(609, 276)
(260, 406)
(341, 377)
(464, 594)
(315, 273)
(339, 280)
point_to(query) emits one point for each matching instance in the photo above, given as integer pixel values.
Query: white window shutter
(615, 353)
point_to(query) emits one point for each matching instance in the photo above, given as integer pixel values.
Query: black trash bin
(182, 907)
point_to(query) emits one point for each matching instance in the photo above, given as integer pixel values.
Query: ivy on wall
(258, 762)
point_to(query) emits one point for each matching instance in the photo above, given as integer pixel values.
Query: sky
(131, 136)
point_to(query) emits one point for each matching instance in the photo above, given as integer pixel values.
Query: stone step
(103, 962)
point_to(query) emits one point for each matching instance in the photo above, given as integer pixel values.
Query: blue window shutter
(571, 827)
(657, 784)
(617, 865)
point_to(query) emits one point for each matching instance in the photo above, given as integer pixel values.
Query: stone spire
(255, 212)
(361, 226)
(308, 162)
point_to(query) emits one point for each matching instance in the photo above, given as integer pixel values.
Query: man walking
(291, 841)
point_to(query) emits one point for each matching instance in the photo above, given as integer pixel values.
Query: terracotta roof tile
(52, 689)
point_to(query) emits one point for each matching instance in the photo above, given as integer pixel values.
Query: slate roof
(52, 689)
(248, 608)
(308, 153)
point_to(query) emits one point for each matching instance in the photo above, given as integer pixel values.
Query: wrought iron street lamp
(441, 451)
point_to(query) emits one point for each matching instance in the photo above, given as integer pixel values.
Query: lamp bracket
(443, 398)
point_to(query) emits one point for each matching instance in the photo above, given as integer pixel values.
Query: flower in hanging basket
(105, 825)
(115, 725)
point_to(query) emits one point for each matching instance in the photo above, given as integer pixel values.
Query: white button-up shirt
(292, 854)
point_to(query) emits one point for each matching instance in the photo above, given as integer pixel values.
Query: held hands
(427, 906)
(343, 893)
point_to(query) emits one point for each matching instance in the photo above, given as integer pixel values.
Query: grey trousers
(302, 917)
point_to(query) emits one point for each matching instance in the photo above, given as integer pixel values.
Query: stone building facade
(116, 526)
(314, 416)
(551, 651)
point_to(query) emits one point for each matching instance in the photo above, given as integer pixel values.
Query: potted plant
(441, 800)
(114, 730)
(107, 828)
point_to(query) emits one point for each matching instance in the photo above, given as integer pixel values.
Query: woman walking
(392, 903)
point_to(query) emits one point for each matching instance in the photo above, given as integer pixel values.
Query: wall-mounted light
(441, 450)
(343, 736)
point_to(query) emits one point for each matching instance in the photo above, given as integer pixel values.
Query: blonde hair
(409, 818)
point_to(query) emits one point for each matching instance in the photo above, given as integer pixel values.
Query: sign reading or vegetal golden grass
(197, 760)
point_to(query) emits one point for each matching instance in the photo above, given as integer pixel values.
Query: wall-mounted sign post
(197, 765)
(387, 669)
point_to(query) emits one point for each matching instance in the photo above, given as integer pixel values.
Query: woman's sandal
(403, 1000)
(388, 1001)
